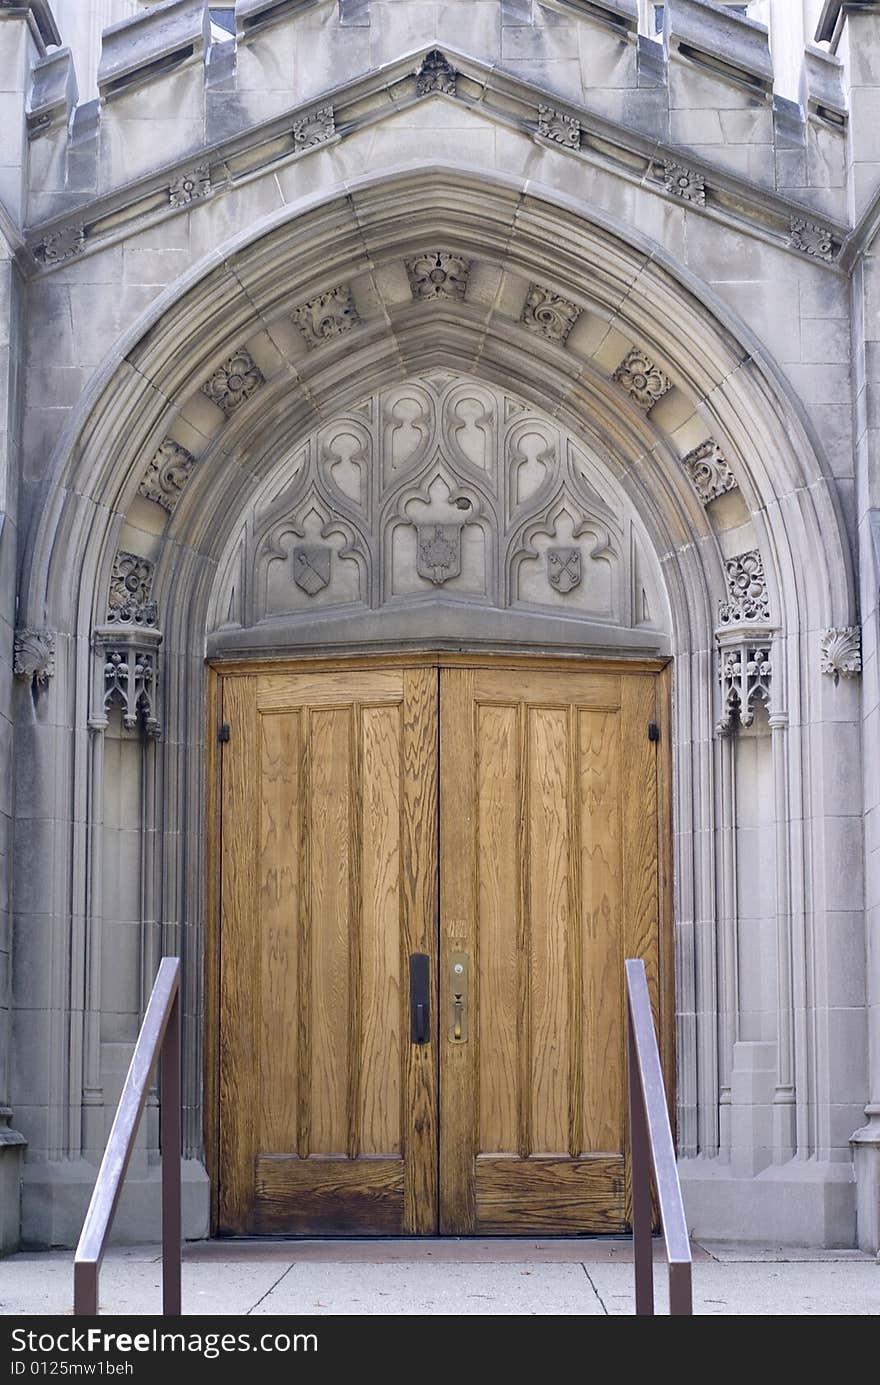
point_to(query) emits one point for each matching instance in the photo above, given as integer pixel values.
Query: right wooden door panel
(549, 878)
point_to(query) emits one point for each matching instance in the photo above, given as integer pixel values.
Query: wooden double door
(429, 877)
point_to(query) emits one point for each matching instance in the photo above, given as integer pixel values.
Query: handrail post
(170, 1089)
(640, 1177)
(159, 1037)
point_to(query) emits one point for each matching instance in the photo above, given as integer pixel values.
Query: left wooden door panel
(328, 865)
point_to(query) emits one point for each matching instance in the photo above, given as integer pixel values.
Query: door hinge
(653, 731)
(223, 734)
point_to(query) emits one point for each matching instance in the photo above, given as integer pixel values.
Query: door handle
(459, 976)
(420, 998)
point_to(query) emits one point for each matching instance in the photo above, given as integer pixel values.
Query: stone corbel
(745, 670)
(127, 676)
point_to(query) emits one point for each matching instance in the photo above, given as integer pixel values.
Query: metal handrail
(651, 1147)
(160, 1035)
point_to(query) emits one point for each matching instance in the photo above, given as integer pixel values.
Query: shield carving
(564, 569)
(439, 552)
(311, 567)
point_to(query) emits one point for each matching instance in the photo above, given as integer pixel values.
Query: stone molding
(61, 245)
(507, 100)
(841, 652)
(34, 656)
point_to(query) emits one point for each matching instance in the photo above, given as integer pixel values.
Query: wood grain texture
(419, 932)
(601, 976)
(640, 842)
(330, 830)
(279, 692)
(239, 958)
(545, 1197)
(547, 845)
(211, 1051)
(326, 1197)
(278, 931)
(381, 1007)
(497, 978)
(458, 904)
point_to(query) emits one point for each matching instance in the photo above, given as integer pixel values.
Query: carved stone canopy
(127, 677)
(745, 671)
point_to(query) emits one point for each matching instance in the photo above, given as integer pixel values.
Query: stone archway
(598, 331)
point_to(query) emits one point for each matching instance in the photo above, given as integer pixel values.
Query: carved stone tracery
(440, 486)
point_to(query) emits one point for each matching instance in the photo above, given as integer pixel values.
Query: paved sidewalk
(473, 1277)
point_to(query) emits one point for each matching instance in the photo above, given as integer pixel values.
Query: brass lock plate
(459, 979)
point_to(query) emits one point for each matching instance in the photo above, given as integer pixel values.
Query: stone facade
(485, 322)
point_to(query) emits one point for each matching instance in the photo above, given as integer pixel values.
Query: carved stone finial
(685, 183)
(131, 583)
(167, 474)
(438, 274)
(841, 649)
(313, 128)
(548, 314)
(749, 599)
(64, 244)
(709, 471)
(190, 186)
(813, 239)
(436, 74)
(559, 128)
(329, 315)
(233, 382)
(643, 381)
(744, 672)
(34, 656)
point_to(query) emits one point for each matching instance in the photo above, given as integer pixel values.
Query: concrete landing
(473, 1277)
